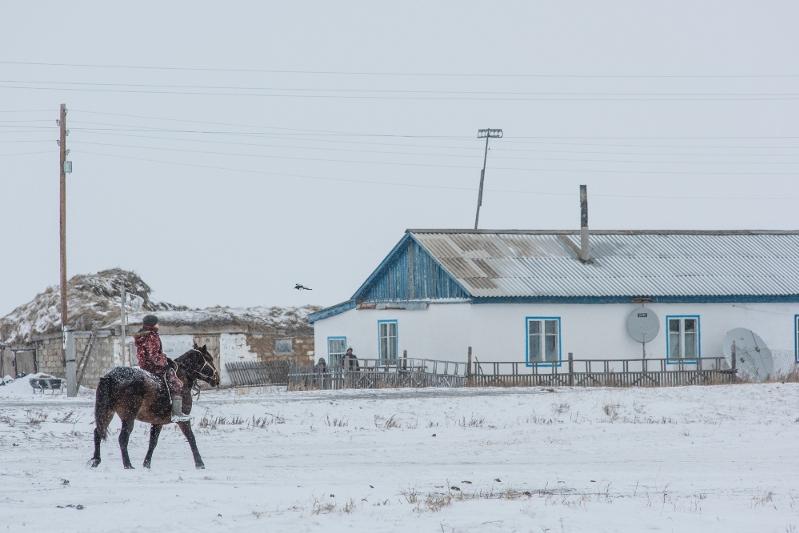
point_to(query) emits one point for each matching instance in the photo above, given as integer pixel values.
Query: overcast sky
(319, 131)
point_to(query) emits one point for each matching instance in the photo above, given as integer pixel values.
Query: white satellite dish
(643, 325)
(752, 357)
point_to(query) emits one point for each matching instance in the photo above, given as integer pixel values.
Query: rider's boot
(177, 411)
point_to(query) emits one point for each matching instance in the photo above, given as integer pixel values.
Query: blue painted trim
(441, 266)
(670, 361)
(796, 338)
(732, 298)
(527, 361)
(331, 311)
(389, 321)
(398, 248)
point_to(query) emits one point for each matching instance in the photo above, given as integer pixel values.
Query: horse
(135, 394)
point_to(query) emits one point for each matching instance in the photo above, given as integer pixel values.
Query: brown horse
(135, 394)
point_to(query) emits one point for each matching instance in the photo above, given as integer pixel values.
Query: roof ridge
(605, 231)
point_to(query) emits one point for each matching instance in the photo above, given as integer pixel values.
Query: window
(543, 340)
(682, 342)
(283, 346)
(796, 337)
(387, 340)
(336, 348)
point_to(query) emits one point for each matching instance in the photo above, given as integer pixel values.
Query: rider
(152, 359)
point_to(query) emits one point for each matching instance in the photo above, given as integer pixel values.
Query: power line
(193, 89)
(540, 170)
(568, 97)
(500, 150)
(440, 187)
(524, 138)
(399, 74)
(15, 154)
(389, 152)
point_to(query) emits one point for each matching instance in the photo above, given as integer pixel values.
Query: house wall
(497, 332)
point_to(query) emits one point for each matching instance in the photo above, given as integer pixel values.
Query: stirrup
(177, 411)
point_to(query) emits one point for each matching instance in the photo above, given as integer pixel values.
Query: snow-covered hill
(94, 302)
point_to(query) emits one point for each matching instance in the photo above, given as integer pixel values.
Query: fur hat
(149, 320)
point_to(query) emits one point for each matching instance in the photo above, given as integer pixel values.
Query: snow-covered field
(722, 458)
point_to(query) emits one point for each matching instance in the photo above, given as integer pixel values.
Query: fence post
(469, 362)
(405, 359)
(571, 369)
(733, 358)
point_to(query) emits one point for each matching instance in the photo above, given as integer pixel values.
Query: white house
(534, 296)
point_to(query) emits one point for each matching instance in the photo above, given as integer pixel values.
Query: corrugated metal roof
(623, 263)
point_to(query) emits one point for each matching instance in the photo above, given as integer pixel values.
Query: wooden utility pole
(484, 134)
(62, 171)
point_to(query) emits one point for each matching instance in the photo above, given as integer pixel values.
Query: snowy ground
(683, 459)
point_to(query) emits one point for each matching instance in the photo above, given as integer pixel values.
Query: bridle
(199, 373)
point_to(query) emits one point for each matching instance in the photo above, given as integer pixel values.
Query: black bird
(301, 287)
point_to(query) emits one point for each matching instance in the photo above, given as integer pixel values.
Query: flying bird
(301, 287)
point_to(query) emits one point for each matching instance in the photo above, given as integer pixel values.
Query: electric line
(388, 152)
(430, 186)
(573, 97)
(401, 74)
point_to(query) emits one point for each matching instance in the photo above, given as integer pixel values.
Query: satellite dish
(752, 357)
(643, 324)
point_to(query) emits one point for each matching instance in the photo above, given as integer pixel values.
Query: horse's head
(199, 364)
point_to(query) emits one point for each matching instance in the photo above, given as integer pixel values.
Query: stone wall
(224, 346)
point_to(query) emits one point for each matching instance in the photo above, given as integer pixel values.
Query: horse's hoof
(200, 466)
(95, 462)
(129, 467)
(146, 465)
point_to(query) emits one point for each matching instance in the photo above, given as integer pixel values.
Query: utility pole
(487, 134)
(122, 333)
(65, 167)
(62, 172)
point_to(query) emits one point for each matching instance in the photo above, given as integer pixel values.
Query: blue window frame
(387, 340)
(336, 348)
(796, 337)
(683, 339)
(542, 341)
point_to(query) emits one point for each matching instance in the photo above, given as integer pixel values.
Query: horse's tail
(103, 406)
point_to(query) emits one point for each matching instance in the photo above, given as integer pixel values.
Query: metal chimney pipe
(585, 250)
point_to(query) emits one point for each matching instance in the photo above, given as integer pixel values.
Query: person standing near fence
(350, 361)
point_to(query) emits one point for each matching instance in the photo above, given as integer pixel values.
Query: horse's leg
(185, 427)
(155, 431)
(103, 414)
(124, 435)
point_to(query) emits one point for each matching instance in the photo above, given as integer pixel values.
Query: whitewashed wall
(496, 332)
(233, 348)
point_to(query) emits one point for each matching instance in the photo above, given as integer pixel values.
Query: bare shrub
(387, 423)
(68, 418)
(322, 508)
(35, 418)
(267, 420)
(612, 410)
(336, 422)
(472, 422)
(560, 408)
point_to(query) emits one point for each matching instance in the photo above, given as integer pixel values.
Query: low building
(534, 296)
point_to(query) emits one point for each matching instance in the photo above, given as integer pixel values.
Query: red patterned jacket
(149, 351)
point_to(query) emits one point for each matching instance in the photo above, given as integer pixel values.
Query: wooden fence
(407, 372)
(603, 373)
(254, 373)
(381, 374)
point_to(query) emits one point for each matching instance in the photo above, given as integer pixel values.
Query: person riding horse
(152, 359)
